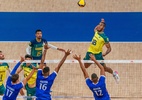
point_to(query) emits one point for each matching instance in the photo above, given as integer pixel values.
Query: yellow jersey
(98, 42)
(27, 70)
(3, 68)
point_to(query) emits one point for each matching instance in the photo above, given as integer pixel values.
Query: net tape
(73, 61)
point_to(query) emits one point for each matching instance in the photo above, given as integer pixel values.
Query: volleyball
(81, 3)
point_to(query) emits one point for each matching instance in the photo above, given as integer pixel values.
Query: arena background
(66, 25)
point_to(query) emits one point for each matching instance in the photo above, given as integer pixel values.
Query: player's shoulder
(33, 41)
(44, 40)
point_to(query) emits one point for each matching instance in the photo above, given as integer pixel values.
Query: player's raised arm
(29, 76)
(102, 71)
(78, 58)
(56, 48)
(62, 61)
(16, 66)
(108, 46)
(43, 56)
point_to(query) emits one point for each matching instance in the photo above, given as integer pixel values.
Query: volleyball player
(31, 84)
(96, 47)
(44, 79)
(96, 85)
(35, 47)
(13, 85)
(4, 67)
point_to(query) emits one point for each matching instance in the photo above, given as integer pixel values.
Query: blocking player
(13, 85)
(96, 85)
(45, 80)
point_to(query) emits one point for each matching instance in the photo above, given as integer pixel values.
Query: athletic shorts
(30, 91)
(97, 56)
(2, 89)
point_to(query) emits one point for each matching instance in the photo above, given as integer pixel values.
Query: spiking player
(96, 47)
(35, 47)
(3, 68)
(13, 85)
(96, 85)
(31, 84)
(45, 80)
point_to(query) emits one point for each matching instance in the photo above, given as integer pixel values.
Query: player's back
(12, 90)
(99, 89)
(43, 85)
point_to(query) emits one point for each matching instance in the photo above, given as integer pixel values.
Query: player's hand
(103, 20)
(2, 57)
(60, 49)
(68, 52)
(46, 46)
(77, 57)
(92, 57)
(22, 59)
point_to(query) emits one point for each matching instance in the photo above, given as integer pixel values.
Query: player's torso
(27, 70)
(3, 69)
(37, 48)
(97, 43)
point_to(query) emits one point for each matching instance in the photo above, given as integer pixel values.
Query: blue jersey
(43, 85)
(36, 48)
(12, 90)
(99, 89)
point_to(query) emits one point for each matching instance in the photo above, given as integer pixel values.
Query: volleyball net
(70, 82)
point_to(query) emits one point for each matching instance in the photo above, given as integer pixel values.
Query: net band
(74, 61)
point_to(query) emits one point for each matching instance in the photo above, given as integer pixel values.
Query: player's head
(1, 56)
(46, 71)
(15, 78)
(38, 34)
(94, 77)
(28, 57)
(101, 27)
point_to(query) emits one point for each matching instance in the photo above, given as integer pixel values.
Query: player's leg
(106, 68)
(87, 57)
(30, 92)
(2, 89)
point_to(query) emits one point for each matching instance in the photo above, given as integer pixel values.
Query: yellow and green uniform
(36, 48)
(3, 68)
(32, 80)
(96, 46)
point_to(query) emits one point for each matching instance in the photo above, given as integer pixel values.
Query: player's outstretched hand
(46, 46)
(68, 52)
(92, 57)
(77, 57)
(103, 20)
(22, 59)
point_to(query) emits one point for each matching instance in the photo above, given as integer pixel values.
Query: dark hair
(94, 76)
(38, 30)
(104, 24)
(14, 78)
(0, 51)
(28, 56)
(46, 69)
